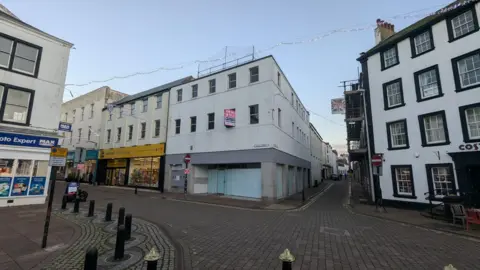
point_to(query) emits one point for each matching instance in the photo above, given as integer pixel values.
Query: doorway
(116, 176)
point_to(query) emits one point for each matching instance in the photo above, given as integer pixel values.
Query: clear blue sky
(123, 37)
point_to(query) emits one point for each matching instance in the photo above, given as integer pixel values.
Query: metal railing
(226, 65)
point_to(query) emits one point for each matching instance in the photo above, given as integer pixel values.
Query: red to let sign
(187, 158)
(377, 160)
(187, 171)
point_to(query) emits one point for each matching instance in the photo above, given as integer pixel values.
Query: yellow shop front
(142, 166)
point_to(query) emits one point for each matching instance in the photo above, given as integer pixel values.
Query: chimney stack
(383, 31)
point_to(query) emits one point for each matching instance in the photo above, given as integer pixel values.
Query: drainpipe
(167, 180)
(369, 165)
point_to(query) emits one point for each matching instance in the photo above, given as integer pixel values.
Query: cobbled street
(326, 235)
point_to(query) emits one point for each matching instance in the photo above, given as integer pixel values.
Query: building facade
(316, 152)
(423, 95)
(133, 137)
(33, 69)
(84, 113)
(246, 130)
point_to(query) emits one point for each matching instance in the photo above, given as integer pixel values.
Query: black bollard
(108, 213)
(64, 202)
(76, 206)
(121, 216)
(287, 259)
(91, 208)
(128, 226)
(91, 259)
(120, 243)
(152, 259)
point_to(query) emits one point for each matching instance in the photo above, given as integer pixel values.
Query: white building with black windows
(33, 68)
(246, 130)
(422, 87)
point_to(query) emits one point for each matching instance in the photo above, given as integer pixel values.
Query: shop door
(116, 177)
(279, 182)
(473, 173)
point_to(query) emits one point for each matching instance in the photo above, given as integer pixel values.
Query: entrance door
(221, 175)
(473, 174)
(116, 176)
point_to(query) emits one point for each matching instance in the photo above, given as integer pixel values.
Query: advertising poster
(20, 186)
(5, 185)
(37, 186)
(229, 117)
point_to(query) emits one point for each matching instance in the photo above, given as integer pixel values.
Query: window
(179, 95)
(24, 167)
(156, 130)
(73, 116)
(109, 134)
(279, 79)
(402, 180)
(130, 132)
(193, 124)
(466, 70)
(143, 130)
(393, 94)
(16, 105)
(397, 135)
(462, 25)
(159, 101)
(279, 118)
(89, 133)
(6, 46)
(177, 126)
(427, 83)
(293, 129)
(232, 80)
(389, 57)
(120, 112)
(422, 43)
(71, 137)
(211, 121)
(79, 134)
(470, 119)
(92, 107)
(132, 108)
(291, 99)
(254, 74)
(82, 113)
(194, 90)
(254, 114)
(440, 180)
(433, 129)
(145, 105)
(25, 56)
(211, 86)
(66, 114)
(119, 134)
(109, 116)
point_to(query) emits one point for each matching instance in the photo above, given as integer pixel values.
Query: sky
(119, 37)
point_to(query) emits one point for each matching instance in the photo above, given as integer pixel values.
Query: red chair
(473, 217)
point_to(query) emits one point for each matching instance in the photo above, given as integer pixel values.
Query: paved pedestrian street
(323, 235)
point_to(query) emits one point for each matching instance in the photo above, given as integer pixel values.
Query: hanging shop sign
(469, 147)
(27, 140)
(229, 117)
(63, 126)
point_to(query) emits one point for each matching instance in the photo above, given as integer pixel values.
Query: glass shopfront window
(144, 171)
(6, 167)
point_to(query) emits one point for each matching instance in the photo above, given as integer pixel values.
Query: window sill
(429, 98)
(453, 39)
(398, 148)
(422, 53)
(436, 144)
(471, 140)
(22, 73)
(468, 88)
(405, 196)
(394, 107)
(385, 68)
(14, 123)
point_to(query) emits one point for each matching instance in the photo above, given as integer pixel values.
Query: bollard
(64, 202)
(108, 213)
(152, 259)
(91, 259)
(287, 259)
(91, 208)
(120, 243)
(76, 206)
(121, 216)
(128, 226)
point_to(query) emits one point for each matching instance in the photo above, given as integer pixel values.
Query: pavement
(324, 234)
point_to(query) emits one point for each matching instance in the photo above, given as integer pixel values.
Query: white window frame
(144, 105)
(159, 101)
(390, 57)
(195, 91)
(179, 95)
(232, 81)
(156, 128)
(422, 42)
(446, 179)
(143, 130)
(395, 133)
(92, 110)
(435, 129)
(475, 124)
(388, 91)
(428, 82)
(400, 177)
(254, 77)
(458, 25)
(130, 133)
(212, 86)
(474, 61)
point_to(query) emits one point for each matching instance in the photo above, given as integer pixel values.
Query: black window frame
(193, 123)
(463, 121)
(212, 86)
(418, 33)
(254, 121)
(394, 181)
(179, 95)
(457, 13)
(417, 83)
(456, 75)
(12, 56)
(428, 170)
(143, 130)
(109, 136)
(156, 128)
(211, 122)
(253, 75)
(130, 132)
(178, 125)
(119, 134)
(389, 135)
(422, 128)
(6, 89)
(195, 91)
(382, 58)
(230, 81)
(385, 98)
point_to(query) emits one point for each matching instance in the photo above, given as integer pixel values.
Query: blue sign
(5, 186)
(91, 155)
(63, 126)
(20, 186)
(37, 186)
(72, 188)
(27, 140)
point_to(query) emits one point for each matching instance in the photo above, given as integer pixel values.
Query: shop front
(142, 166)
(91, 160)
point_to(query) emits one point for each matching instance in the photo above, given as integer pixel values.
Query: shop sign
(229, 117)
(37, 186)
(91, 155)
(117, 163)
(5, 186)
(153, 150)
(63, 126)
(469, 147)
(20, 186)
(27, 140)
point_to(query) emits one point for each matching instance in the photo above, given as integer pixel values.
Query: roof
(4, 12)
(428, 21)
(153, 91)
